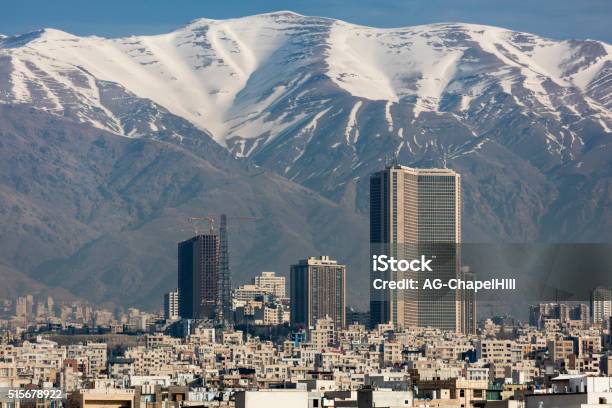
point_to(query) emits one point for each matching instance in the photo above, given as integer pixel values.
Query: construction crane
(209, 218)
(225, 287)
(224, 283)
(212, 219)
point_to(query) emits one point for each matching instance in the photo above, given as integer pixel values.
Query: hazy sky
(552, 18)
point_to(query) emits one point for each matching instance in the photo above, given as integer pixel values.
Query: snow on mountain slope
(422, 62)
(194, 72)
(325, 102)
(225, 76)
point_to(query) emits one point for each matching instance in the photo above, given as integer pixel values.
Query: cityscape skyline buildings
(433, 198)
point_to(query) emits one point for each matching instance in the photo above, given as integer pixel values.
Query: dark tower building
(198, 277)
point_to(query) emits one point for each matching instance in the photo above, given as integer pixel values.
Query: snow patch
(350, 125)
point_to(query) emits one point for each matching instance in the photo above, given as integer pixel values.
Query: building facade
(318, 290)
(272, 284)
(601, 304)
(171, 305)
(198, 277)
(415, 212)
(467, 304)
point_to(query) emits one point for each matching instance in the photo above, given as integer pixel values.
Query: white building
(601, 304)
(272, 284)
(171, 305)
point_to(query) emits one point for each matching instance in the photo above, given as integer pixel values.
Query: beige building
(601, 304)
(415, 212)
(272, 284)
(104, 398)
(245, 293)
(324, 334)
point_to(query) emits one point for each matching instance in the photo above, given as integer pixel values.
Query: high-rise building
(563, 313)
(467, 304)
(21, 309)
(415, 212)
(272, 284)
(198, 277)
(171, 305)
(29, 304)
(40, 309)
(318, 290)
(50, 306)
(601, 304)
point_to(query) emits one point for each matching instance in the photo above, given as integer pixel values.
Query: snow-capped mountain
(227, 76)
(323, 102)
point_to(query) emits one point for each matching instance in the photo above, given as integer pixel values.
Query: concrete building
(272, 284)
(324, 333)
(467, 302)
(269, 398)
(415, 212)
(21, 309)
(551, 314)
(198, 277)
(318, 290)
(247, 292)
(574, 391)
(104, 397)
(369, 398)
(171, 305)
(601, 304)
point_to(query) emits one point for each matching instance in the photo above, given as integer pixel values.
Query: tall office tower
(416, 212)
(467, 303)
(198, 277)
(225, 288)
(318, 290)
(50, 306)
(29, 305)
(601, 304)
(21, 308)
(581, 313)
(272, 284)
(40, 309)
(171, 305)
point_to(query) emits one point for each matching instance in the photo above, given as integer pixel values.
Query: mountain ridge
(324, 102)
(276, 23)
(97, 216)
(312, 104)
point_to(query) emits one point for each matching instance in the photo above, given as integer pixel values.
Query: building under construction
(204, 274)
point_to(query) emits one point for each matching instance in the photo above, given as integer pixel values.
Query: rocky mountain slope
(99, 216)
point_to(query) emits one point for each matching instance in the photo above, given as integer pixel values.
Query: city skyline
(352, 204)
(201, 142)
